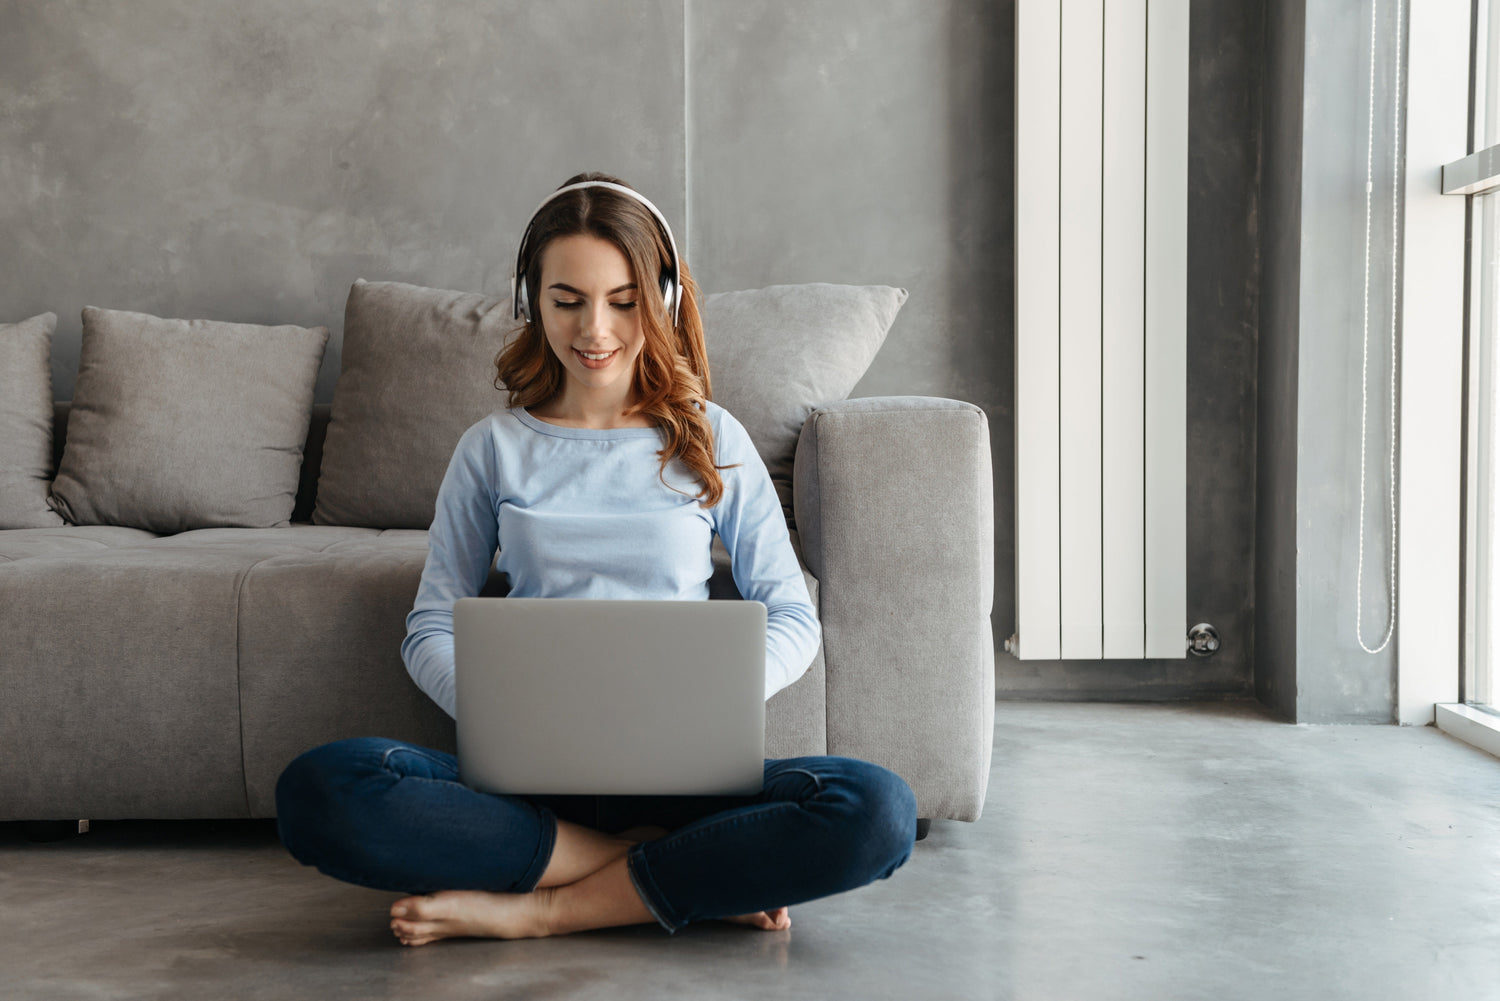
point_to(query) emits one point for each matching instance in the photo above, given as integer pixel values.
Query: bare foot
(428, 917)
(777, 920)
(423, 918)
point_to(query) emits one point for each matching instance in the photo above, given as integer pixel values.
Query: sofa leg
(53, 830)
(923, 824)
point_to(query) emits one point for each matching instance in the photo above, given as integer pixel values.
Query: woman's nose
(596, 318)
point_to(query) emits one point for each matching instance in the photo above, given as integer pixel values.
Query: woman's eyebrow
(569, 288)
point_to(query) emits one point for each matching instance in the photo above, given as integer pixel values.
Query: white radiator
(1101, 328)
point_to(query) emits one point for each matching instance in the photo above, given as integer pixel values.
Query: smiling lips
(596, 359)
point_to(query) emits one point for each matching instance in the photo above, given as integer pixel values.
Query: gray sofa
(147, 675)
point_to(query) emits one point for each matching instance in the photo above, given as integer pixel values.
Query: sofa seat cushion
(24, 543)
(320, 654)
(227, 652)
(119, 682)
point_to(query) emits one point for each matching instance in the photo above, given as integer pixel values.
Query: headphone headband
(671, 286)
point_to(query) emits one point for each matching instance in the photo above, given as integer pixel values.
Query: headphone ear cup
(523, 301)
(669, 293)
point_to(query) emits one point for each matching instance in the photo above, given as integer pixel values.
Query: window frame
(1430, 519)
(1473, 177)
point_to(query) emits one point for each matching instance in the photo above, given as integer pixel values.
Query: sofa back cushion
(775, 354)
(418, 369)
(26, 423)
(183, 424)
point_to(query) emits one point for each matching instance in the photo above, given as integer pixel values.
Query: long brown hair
(671, 379)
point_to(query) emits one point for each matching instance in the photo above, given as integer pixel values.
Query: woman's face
(591, 306)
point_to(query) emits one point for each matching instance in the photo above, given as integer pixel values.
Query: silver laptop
(610, 697)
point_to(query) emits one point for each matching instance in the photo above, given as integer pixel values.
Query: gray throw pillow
(26, 423)
(418, 368)
(776, 354)
(183, 424)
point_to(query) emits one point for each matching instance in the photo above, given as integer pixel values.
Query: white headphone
(671, 288)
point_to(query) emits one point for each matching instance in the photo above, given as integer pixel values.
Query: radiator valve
(1203, 640)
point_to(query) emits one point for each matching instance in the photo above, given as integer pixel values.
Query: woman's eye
(565, 305)
(623, 305)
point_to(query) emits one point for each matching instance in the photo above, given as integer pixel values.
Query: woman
(607, 476)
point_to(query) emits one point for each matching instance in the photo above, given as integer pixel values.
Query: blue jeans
(393, 816)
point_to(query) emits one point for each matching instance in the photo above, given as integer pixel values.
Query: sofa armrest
(893, 500)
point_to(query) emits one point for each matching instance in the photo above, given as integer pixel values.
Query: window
(1480, 685)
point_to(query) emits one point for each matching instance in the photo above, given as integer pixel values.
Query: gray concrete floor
(1126, 851)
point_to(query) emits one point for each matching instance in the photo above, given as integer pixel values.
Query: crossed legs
(393, 816)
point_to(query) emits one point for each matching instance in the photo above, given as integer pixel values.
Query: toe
(773, 920)
(406, 907)
(414, 929)
(416, 933)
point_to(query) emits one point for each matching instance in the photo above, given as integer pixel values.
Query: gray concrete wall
(1224, 138)
(1337, 681)
(1315, 360)
(209, 158)
(248, 162)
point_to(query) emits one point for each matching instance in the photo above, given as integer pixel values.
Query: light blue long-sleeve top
(581, 513)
